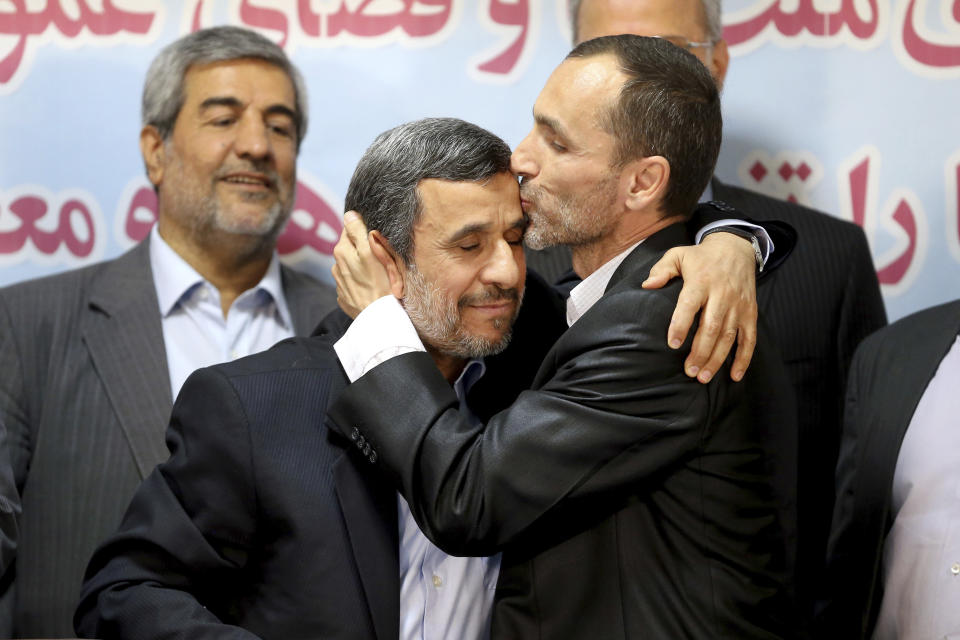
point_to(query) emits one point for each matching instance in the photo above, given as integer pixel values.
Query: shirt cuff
(381, 331)
(766, 244)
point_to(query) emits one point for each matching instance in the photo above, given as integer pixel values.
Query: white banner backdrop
(850, 106)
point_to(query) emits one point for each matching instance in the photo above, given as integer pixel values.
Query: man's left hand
(719, 278)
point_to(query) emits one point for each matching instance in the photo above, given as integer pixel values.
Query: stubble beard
(207, 219)
(575, 220)
(438, 320)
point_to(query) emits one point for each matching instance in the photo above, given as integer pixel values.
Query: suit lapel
(308, 300)
(369, 509)
(122, 332)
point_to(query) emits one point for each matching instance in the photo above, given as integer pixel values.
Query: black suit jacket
(891, 371)
(628, 499)
(261, 522)
(85, 395)
(819, 304)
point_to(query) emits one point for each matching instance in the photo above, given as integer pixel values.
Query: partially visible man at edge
(91, 359)
(819, 306)
(628, 500)
(263, 523)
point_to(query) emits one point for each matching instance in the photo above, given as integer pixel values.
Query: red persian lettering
(259, 17)
(30, 210)
(515, 14)
(929, 53)
(295, 236)
(366, 23)
(903, 215)
(807, 18)
(137, 227)
(25, 23)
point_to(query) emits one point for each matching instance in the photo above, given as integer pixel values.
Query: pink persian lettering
(30, 209)
(929, 53)
(510, 14)
(269, 19)
(136, 228)
(295, 236)
(903, 215)
(361, 23)
(24, 23)
(805, 18)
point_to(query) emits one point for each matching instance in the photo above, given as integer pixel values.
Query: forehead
(641, 17)
(247, 79)
(448, 206)
(580, 86)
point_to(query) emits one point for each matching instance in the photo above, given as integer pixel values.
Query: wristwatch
(746, 235)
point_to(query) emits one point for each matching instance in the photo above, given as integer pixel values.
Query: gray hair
(711, 17)
(163, 89)
(383, 189)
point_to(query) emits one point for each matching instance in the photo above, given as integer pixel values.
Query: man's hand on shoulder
(719, 281)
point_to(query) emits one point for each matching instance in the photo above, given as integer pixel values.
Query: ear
(152, 149)
(391, 262)
(647, 180)
(719, 63)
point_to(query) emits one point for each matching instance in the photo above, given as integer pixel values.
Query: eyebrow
(464, 231)
(547, 121)
(233, 103)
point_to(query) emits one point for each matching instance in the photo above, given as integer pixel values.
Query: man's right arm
(177, 557)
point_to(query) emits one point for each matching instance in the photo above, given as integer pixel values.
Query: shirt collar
(174, 278)
(585, 295)
(471, 373)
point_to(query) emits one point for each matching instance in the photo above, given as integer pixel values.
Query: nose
(252, 140)
(504, 268)
(522, 161)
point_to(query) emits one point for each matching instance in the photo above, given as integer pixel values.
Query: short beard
(439, 323)
(577, 220)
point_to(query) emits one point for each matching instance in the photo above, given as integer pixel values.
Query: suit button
(360, 442)
(372, 457)
(355, 434)
(366, 449)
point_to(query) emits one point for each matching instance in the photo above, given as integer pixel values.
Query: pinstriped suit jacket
(819, 304)
(85, 395)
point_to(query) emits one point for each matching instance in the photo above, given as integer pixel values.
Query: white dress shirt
(195, 333)
(441, 596)
(921, 555)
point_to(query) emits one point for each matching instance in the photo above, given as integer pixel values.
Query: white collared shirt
(921, 555)
(585, 295)
(195, 333)
(441, 596)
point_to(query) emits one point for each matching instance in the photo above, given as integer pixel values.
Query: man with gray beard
(91, 360)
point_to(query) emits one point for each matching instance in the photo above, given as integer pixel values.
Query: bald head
(684, 21)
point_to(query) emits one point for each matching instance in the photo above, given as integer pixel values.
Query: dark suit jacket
(85, 394)
(261, 522)
(628, 499)
(819, 305)
(891, 371)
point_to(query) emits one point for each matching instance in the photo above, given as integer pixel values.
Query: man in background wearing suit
(628, 499)
(818, 307)
(9, 505)
(91, 359)
(893, 566)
